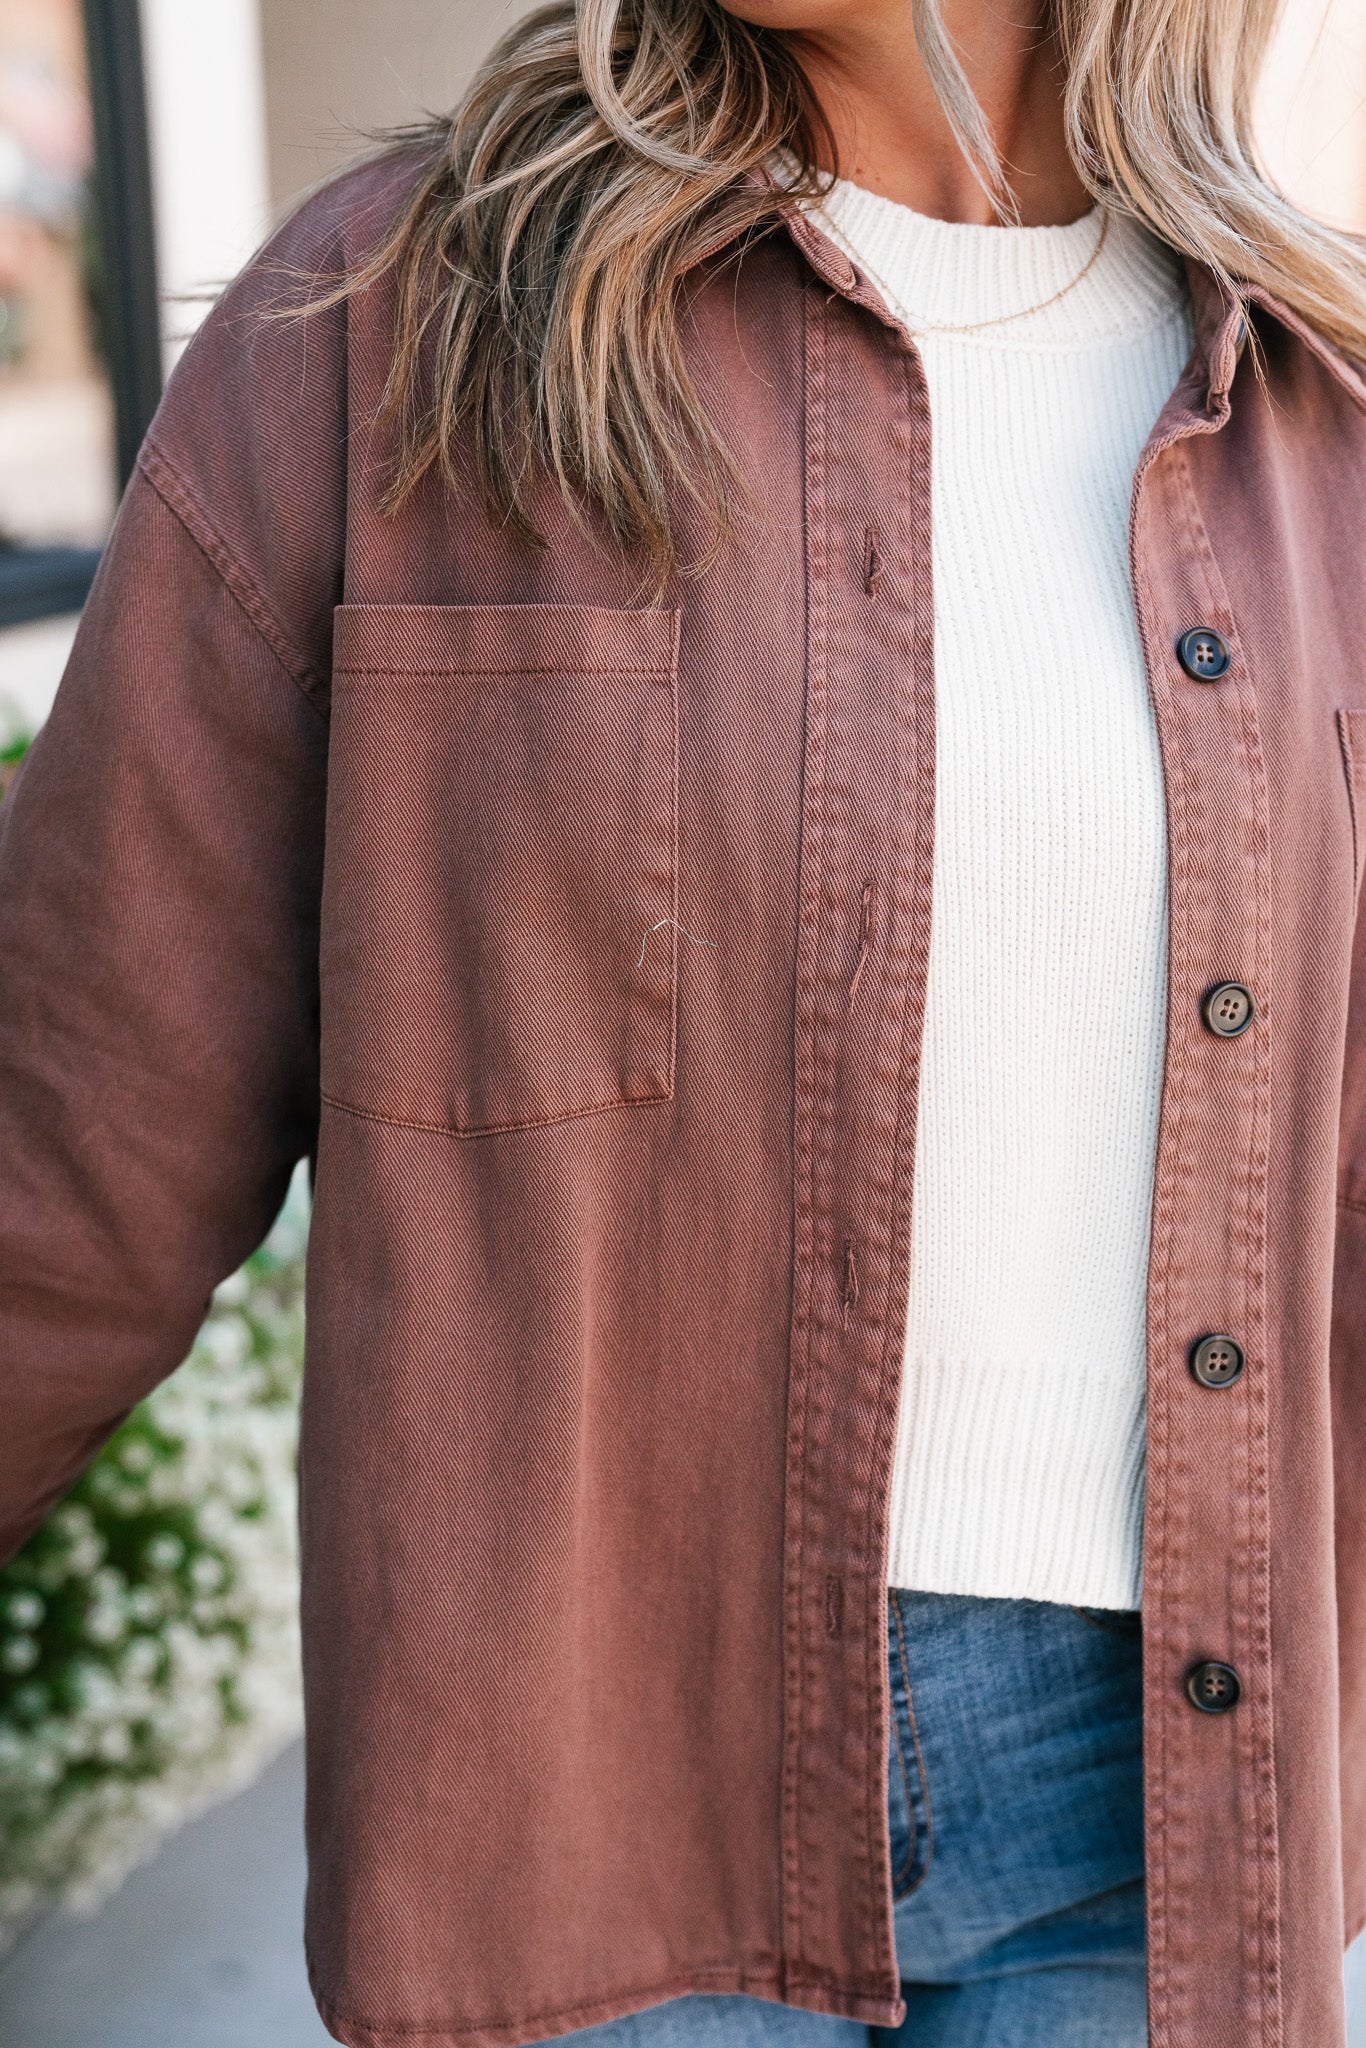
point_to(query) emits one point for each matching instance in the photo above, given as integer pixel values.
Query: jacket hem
(871, 2008)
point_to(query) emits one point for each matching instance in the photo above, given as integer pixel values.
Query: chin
(794, 15)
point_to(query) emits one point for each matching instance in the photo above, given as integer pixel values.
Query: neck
(892, 135)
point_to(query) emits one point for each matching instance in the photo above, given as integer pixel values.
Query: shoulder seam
(176, 494)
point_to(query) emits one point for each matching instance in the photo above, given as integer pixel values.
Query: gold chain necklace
(966, 326)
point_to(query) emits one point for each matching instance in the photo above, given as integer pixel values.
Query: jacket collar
(1221, 334)
(1218, 311)
(1340, 366)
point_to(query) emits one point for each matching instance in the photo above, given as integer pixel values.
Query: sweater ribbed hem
(989, 1499)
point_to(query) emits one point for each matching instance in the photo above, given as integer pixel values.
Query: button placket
(867, 833)
(1208, 1457)
(1227, 1011)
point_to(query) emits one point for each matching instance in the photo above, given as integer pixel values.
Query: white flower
(140, 1659)
(105, 1624)
(143, 1605)
(164, 1552)
(73, 1519)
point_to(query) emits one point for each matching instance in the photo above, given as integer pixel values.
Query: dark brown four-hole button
(1227, 1009)
(1217, 1361)
(1203, 654)
(1214, 1688)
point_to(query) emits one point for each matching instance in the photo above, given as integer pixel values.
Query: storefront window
(57, 477)
(70, 87)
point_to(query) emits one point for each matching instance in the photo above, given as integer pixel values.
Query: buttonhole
(849, 1289)
(867, 909)
(872, 560)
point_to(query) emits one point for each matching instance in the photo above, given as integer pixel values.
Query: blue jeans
(1015, 1798)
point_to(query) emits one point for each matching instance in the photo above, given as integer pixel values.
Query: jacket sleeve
(160, 872)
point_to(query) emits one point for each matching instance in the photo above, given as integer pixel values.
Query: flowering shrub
(11, 754)
(148, 1631)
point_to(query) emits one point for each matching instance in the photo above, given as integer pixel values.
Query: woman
(766, 770)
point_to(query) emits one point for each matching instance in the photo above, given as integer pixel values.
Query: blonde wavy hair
(605, 147)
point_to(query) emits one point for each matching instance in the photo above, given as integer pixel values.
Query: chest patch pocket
(499, 943)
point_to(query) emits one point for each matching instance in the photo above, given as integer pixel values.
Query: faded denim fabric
(1355, 1984)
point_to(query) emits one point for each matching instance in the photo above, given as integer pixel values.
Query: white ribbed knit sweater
(1020, 1445)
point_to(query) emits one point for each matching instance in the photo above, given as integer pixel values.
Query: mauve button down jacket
(535, 910)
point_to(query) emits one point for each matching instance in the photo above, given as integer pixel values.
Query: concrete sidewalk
(202, 1948)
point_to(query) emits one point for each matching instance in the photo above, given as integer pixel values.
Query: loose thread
(659, 926)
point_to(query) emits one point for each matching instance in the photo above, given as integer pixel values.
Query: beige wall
(1312, 117)
(333, 66)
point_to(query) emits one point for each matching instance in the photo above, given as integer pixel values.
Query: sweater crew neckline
(941, 274)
